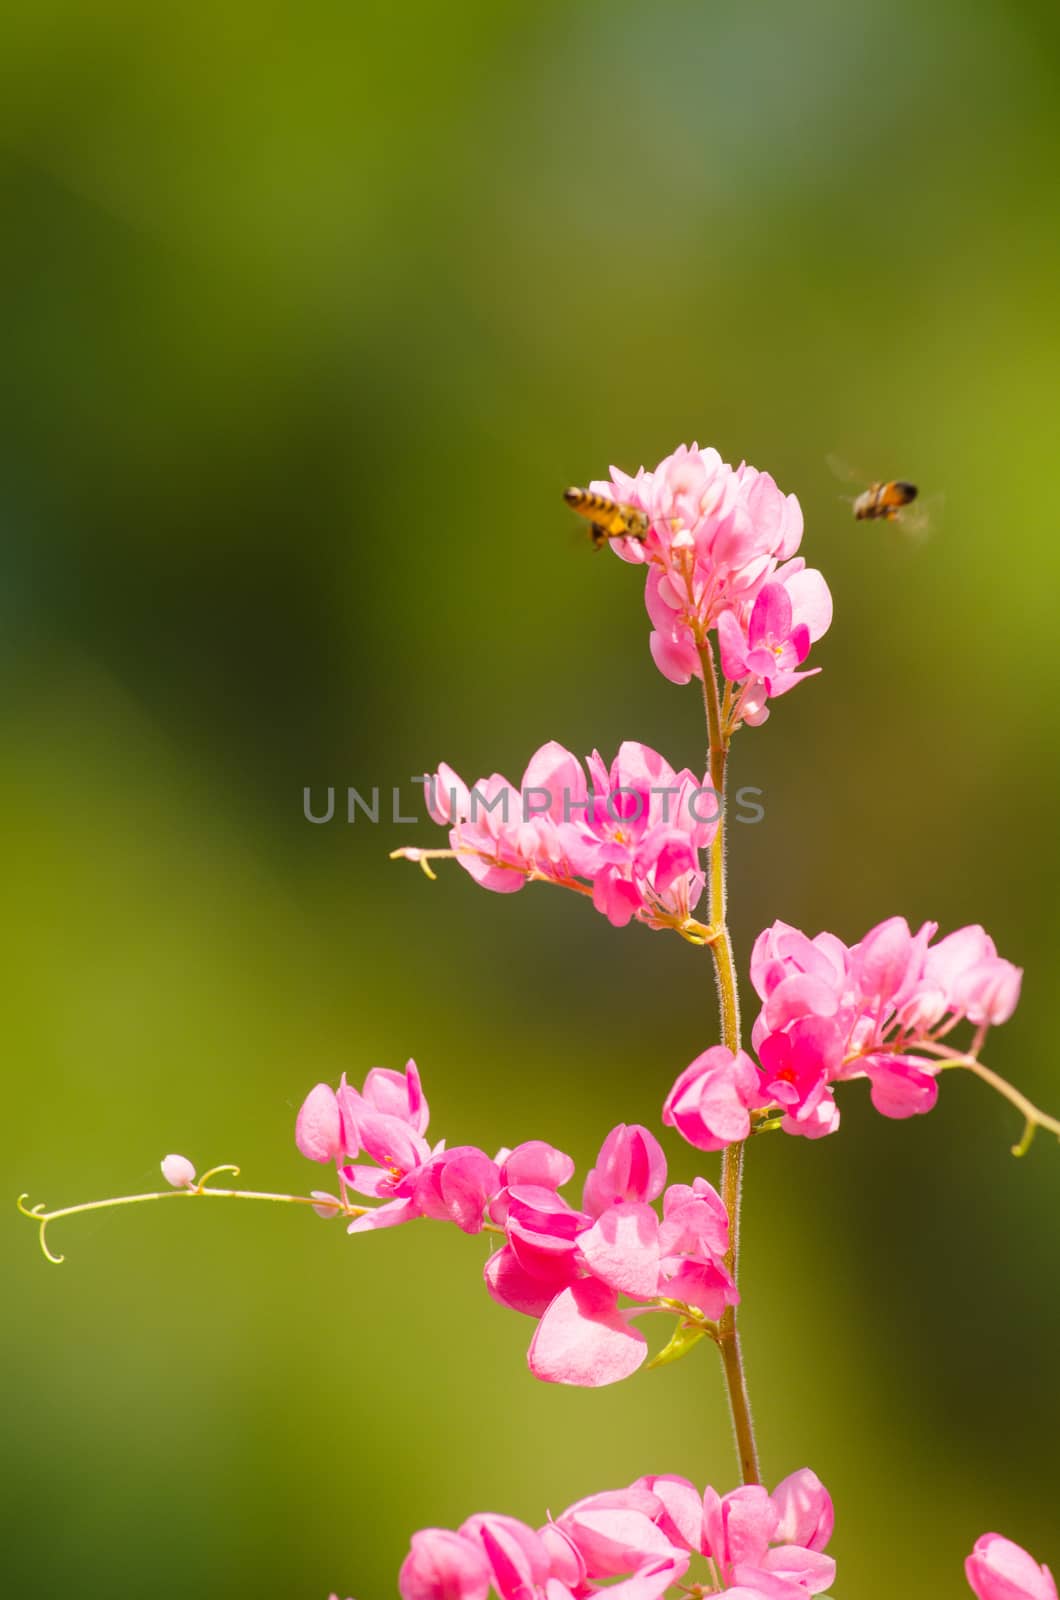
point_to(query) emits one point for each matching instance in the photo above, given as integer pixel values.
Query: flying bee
(607, 519)
(887, 502)
(883, 500)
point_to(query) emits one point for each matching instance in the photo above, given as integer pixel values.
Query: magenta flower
(711, 1101)
(628, 835)
(719, 539)
(386, 1120)
(635, 1543)
(444, 1566)
(761, 649)
(878, 1010)
(631, 1166)
(570, 1269)
(997, 1569)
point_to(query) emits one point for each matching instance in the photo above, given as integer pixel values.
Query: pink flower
(617, 1532)
(387, 1119)
(741, 1534)
(876, 1010)
(633, 1544)
(997, 1569)
(797, 1065)
(519, 1560)
(393, 1094)
(456, 1186)
(630, 1166)
(711, 1101)
(719, 539)
(804, 1510)
(569, 1268)
(443, 1566)
(629, 835)
(762, 651)
(178, 1172)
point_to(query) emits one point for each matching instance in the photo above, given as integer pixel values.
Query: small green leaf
(686, 1334)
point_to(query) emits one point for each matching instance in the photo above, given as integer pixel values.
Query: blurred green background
(311, 314)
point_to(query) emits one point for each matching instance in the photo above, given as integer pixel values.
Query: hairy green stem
(729, 1006)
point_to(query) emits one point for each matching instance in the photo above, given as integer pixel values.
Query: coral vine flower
(760, 1546)
(876, 1010)
(711, 1102)
(386, 1120)
(569, 1269)
(997, 1569)
(720, 553)
(629, 835)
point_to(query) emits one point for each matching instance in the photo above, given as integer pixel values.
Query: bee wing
(922, 517)
(845, 472)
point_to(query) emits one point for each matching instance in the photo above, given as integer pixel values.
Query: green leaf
(686, 1334)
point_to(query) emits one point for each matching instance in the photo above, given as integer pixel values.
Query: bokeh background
(311, 314)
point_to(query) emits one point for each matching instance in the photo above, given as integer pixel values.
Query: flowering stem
(38, 1214)
(1033, 1117)
(729, 1006)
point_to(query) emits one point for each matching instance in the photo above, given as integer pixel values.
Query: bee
(888, 502)
(606, 518)
(883, 500)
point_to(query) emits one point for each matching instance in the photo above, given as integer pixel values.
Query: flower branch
(195, 1189)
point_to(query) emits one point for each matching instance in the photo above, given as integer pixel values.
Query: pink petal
(804, 1507)
(512, 1285)
(622, 1249)
(682, 1521)
(584, 1339)
(442, 1565)
(675, 659)
(536, 1162)
(998, 1569)
(770, 615)
(809, 1568)
(614, 1540)
(811, 600)
(318, 1130)
(900, 1088)
(732, 646)
(650, 1581)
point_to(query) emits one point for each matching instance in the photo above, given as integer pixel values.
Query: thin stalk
(1033, 1116)
(729, 1007)
(195, 1191)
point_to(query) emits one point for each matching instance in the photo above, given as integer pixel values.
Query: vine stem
(1033, 1116)
(194, 1191)
(729, 1006)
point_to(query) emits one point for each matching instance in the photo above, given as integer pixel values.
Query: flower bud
(178, 1171)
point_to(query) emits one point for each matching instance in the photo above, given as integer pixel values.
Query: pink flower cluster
(830, 1012)
(997, 1569)
(721, 554)
(387, 1121)
(567, 1268)
(751, 1545)
(630, 833)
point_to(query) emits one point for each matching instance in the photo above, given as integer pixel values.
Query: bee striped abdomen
(607, 519)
